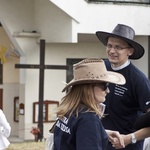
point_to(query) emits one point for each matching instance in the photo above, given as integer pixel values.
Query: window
(70, 62)
(49, 108)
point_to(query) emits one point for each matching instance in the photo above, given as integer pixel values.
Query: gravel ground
(27, 146)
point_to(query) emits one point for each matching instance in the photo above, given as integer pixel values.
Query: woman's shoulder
(88, 116)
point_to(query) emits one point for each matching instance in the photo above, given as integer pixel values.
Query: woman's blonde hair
(79, 95)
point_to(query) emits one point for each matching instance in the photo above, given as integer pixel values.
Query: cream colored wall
(18, 15)
(10, 84)
(104, 16)
(10, 90)
(8, 67)
(52, 22)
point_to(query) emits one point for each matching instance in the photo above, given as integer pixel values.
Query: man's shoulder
(136, 71)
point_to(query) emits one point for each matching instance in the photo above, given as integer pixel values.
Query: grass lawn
(27, 146)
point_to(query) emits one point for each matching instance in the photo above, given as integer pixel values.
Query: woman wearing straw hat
(125, 103)
(79, 125)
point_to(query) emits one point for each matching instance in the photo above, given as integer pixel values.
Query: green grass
(27, 146)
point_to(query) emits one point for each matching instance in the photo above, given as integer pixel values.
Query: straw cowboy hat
(93, 70)
(126, 33)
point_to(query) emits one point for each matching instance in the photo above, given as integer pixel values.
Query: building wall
(10, 81)
(104, 16)
(59, 24)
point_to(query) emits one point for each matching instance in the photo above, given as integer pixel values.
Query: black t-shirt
(84, 132)
(125, 102)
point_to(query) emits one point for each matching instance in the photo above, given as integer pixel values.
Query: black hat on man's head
(127, 34)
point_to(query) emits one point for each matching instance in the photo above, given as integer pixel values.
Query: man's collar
(122, 66)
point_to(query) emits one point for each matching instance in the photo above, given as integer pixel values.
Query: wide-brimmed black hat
(126, 33)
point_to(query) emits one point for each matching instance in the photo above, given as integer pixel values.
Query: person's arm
(142, 125)
(143, 121)
(139, 135)
(115, 137)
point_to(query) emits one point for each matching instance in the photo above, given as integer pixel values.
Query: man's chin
(112, 61)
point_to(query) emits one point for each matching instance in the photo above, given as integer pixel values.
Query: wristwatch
(133, 139)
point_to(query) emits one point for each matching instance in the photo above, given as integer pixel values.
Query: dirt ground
(27, 146)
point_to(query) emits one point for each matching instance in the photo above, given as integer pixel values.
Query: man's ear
(131, 50)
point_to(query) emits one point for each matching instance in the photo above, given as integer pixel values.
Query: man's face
(118, 51)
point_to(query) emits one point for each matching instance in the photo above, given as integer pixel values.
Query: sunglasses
(103, 85)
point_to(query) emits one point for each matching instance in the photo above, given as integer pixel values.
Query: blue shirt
(84, 132)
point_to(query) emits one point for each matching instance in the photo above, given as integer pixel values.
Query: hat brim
(138, 49)
(110, 77)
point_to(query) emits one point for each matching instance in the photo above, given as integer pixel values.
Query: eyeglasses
(117, 47)
(103, 85)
